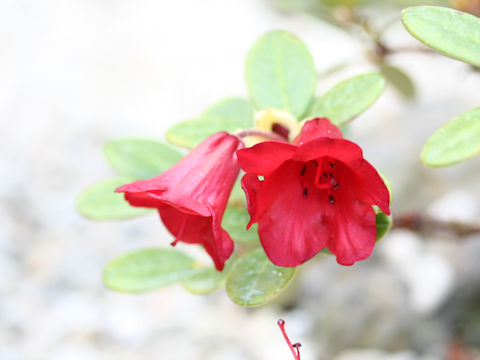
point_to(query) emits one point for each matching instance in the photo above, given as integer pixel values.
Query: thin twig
(428, 225)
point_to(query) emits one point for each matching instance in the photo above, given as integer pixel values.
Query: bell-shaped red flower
(192, 195)
(316, 192)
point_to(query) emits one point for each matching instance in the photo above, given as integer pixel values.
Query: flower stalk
(293, 348)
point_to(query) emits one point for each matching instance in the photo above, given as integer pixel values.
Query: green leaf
(384, 223)
(227, 115)
(100, 202)
(448, 31)
(388, 184)
(140, 158)
(349, 98)
(237, 196)
(456, 141)
(254, 280)
(399, 80)
(235, 220)
(280, 73)
(208, 279)
(205, 280)
(148, 269)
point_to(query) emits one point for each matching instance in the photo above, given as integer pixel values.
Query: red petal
(194, 229)
(318, 127)
(265, 157)
(354, 230)
(251, 185)
(205, 176)
(192, 195)
(370, 187)
(292, 228)
(341, 149)
(352, 222)
(142, 199)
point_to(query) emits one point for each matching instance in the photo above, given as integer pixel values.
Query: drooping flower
(192, 195)
(316, 192)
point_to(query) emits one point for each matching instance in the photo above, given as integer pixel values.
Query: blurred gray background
(76, 73)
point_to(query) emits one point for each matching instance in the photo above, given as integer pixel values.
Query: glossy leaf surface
(349, 98)
(148, 269)
(280, 73)
(254, 280)
(204, 281)
(229, 115)
(456, 141)
(451, 32)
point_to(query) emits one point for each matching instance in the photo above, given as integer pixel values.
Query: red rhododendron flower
(316, 192)
(192, 195)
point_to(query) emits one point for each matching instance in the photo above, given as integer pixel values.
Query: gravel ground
(76, 73)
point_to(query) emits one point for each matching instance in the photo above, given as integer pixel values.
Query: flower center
(322, 173)
(325, 174)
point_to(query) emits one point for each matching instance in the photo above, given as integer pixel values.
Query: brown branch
(428, 225)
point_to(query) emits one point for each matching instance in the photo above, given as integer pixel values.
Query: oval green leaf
(148, 269)
(204, 281)
(235, 220)
(140, 158)
(456, 141)
(451, 32)
(254, 280)
(349, 98)
(100, 202)
(399, 80)
(228, 115)
(280, 73)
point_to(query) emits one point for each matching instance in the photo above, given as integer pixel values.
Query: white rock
(429, 277)
(456, 205)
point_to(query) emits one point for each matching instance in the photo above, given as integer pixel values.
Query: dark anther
(303, 171)
(315, 162)
(332, 164)
(280, 322)
(305, 192)
(332, 200)
(297, 345)
(335, 186)
(331, 175)
(325, 175)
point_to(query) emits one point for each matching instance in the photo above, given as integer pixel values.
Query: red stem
(296, 354)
